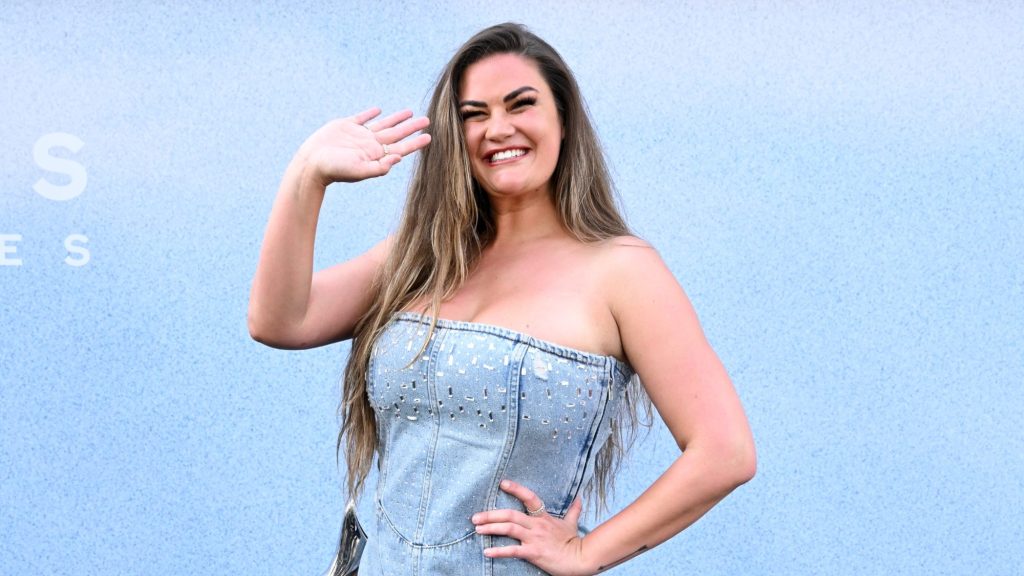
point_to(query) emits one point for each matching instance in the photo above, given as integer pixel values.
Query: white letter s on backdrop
(41, 154)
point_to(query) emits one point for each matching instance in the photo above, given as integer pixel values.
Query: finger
(375, 168)
(406, 147)
(530, 500)
(511, 551)
(390, 120)
(403, 130)
(510, 529)
(387, 162)
(365, 115)
(573, 514)
(492, 516)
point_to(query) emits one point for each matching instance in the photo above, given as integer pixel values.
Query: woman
(497, 333)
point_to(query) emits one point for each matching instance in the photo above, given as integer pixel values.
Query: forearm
(281, 287)
(691, 486)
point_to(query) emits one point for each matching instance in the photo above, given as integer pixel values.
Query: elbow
(740, 459)
(730, 462)
(739, 456)
(743, 463)
(264, 334)
(276, 335)
(257, 330)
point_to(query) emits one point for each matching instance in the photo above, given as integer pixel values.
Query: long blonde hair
(447, 222)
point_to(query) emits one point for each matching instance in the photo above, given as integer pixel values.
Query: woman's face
(511, 124)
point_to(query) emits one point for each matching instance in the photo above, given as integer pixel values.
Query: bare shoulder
(629, 256)
(617, 243)
(381, 250)
(641, 291)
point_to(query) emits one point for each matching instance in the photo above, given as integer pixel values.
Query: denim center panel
(475, 405)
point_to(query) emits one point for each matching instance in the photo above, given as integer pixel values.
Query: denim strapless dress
(479, 404)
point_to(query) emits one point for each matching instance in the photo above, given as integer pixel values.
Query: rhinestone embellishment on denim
(475, 403)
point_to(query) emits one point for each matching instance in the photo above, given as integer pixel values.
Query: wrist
(306, 174)
(586, 563)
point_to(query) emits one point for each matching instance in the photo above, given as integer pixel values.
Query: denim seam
(435, 345)
(512, 432)
(588, 448)
(419, 546)
(384, 464)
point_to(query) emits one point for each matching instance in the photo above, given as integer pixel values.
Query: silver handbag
(350, 544)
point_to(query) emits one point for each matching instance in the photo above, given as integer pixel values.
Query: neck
(522, 219)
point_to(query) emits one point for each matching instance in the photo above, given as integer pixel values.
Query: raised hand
(354, 148)
(552, 544)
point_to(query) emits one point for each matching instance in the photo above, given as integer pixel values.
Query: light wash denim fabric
(479, 404)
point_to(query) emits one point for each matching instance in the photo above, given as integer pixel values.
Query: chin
(507, 188)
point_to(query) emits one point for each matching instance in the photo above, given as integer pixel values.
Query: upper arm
(338, 298)
(662, 338)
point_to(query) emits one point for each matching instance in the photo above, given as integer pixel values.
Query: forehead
(495, 76)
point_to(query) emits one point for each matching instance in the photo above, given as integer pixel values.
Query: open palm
(353, 149)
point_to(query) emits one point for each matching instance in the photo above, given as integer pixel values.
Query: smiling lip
(489, 157)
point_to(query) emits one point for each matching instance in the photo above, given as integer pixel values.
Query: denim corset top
(478, 404)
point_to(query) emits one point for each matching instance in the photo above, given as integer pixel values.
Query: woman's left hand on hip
(552, 544)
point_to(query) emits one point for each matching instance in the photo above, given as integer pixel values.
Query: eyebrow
(510, 96)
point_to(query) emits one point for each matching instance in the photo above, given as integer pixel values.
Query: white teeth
(506, 154)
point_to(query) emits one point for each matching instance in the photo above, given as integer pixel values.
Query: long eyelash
(528, 101)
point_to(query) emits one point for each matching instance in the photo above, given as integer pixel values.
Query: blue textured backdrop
(840, 190)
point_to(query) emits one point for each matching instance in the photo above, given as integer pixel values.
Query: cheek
(471, 137)
(473, 151)
(554, 146)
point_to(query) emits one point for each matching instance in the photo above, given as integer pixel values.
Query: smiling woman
(504, 337)
(513, 131)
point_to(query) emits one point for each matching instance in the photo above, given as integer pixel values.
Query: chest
(558, 295)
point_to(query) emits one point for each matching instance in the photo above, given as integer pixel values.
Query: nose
(499, 127)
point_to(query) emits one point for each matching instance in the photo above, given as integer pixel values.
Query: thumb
(573, 514)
